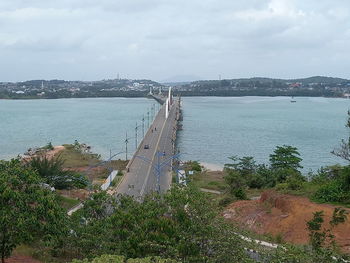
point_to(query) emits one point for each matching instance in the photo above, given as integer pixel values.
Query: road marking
(130, 177)
(149, 169)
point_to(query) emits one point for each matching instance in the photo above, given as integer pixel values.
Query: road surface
(142, 176)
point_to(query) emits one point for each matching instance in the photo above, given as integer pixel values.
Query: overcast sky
(160, 39)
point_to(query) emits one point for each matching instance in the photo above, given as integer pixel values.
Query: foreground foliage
(182, 225)
(53, 173)
(121, 259)
(27, 211)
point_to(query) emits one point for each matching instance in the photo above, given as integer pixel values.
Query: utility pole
(110, 160)
(147, 119)
(136, 136)
(126, 146)
(143, 126)
(151, 113)
(158, 173)
(154, 111)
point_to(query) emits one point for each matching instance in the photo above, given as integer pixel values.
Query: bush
(48, 146)
(331, 192)
(282, 187)
(195, 166)
(121, 259)
(240, 194)
(256, 181)
(226, 201)
(52, 173)
(295, 181)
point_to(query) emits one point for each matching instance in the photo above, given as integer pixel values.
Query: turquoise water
(101, 123)
(216, 128)
(213, 128)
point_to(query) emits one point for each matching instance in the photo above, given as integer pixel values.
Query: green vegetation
(78, 155)
(27, 211)
(245, 173)
(181, 225)
(48, 146)
(66, 202)
(193, 166)
(209, 180)
(120, 259)
(53, 173)
(321, 237)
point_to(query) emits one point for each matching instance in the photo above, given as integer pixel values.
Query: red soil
(285, 215)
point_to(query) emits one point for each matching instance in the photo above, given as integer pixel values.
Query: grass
(37, 252)
(254, 192)
(75, 159)
(213, 180)
(67, 202)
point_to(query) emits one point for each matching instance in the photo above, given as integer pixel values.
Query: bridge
(150, 168)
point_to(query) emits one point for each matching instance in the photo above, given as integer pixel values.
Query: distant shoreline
(214, 95)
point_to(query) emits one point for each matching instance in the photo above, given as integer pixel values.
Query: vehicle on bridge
(146, 146)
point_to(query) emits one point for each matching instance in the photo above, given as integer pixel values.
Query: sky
(166, 40)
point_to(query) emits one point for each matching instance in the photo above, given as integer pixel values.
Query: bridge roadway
(141, 178)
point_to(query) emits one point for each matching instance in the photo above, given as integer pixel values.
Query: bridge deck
(141, 178)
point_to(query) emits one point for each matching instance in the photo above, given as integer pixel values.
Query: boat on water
(293, 100)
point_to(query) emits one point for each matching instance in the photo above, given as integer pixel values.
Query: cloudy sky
(160, 39)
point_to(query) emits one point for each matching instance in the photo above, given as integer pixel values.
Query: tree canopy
(27, 210)
(285, 157)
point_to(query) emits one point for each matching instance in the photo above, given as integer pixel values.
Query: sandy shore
(212, 166)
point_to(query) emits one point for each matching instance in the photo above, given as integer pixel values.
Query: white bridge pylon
(168, 103)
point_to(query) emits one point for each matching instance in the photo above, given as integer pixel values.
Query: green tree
(285, 162)
(181, 225)
(27, 211)
(120, 259)
(236, 184)
(321, 237)
(245, 165)
(344, 150)
(285, 157)
(53, 173)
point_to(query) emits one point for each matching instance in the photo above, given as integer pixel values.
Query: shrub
(240, 194)
(52, 173)
(226, 201)
(331, 192)
(295, 181)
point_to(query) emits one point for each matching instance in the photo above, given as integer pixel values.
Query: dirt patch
(55, 151)
(43, 152)
(285, 216)
(79, 194)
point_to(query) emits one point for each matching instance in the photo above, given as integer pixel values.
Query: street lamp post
(148, 119)
(136, 136)
(159, 165)
(143, 126)
(126, 146)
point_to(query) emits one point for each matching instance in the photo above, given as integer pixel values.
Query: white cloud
(96, 39)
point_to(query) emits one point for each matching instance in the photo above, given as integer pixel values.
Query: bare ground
(285, 216)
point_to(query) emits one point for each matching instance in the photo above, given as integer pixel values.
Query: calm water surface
(101, 123)
(216, 128)
(213, 128)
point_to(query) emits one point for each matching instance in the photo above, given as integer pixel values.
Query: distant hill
(258, 86)
(180, 79)
(318, 86)
(321, 79)
(309, 80)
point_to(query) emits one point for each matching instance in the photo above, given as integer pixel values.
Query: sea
(213, 128)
